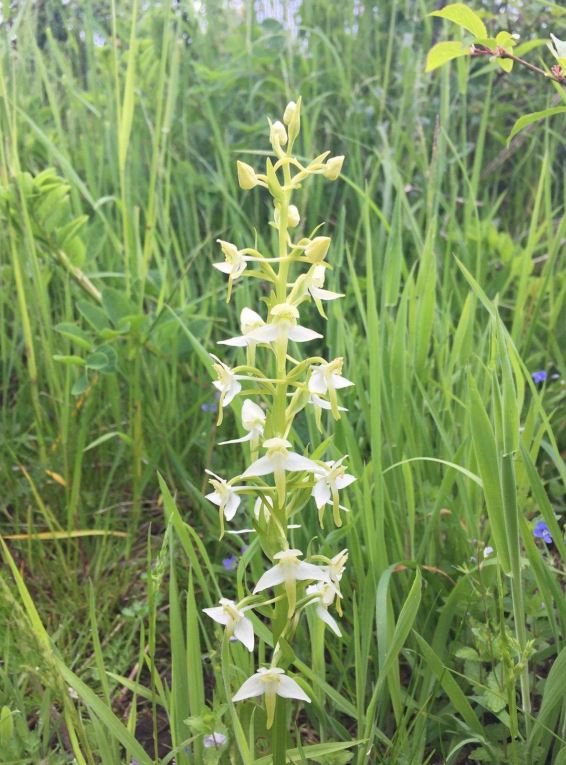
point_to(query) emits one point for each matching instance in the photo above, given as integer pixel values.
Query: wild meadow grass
(121, 125)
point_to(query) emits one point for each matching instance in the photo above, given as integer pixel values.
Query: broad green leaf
(75, 334)
(528, 119)
(464, 17)
(450, 686)
(314, 752)
(485, 449)
(443, 52)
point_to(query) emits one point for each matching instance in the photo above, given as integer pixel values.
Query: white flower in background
(225, 496)
(249, 322)
(283, 325)
(234, 620)
(272, 682)
(253, 421)
(333, 167)
(325, 593)
(288, 571)
(214, 739)
(330, 479)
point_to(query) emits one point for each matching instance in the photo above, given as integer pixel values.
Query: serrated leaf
(464, 17)
(443, 52)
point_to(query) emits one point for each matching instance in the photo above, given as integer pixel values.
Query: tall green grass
(454, 295)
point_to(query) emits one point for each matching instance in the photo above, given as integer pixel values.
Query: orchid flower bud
(247, 177)
(293, 217)
(317, 248)
(292, 118)
(277, 134)
(333, 167)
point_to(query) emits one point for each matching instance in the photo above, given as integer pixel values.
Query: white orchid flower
(333, 167)
(278, 461)
(288, 571)
(253, 421)
(234, 265)
(325, 593)
(315, 288)
(334, 571)
(325, 379)
(228, 384)
(225, 496)
(283, 325)
(270, 682)
(249, 322)
(330, 479)
(234, 620)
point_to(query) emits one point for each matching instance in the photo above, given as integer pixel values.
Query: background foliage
(120, 129)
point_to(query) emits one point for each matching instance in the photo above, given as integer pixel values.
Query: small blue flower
(209, 407)
(541, 531)
(230, 563)
(539, 377)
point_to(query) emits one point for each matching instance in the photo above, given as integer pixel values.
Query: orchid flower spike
(234, 620)
(325, 379)
(270, 682)
(278, 461)
(283, 326)
(323, 594)
(288, 571)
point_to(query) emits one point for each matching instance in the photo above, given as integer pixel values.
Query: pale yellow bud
(293, 217)
(292, 118)
(317, 248)
(247, 177)
(289, 112)
(277, 134)
(333, 167)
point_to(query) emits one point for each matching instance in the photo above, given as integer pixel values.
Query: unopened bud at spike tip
(278, 134)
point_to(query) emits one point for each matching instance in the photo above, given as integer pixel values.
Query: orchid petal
(244, 631)
(302, 335)
(288, 688)
(252, 687)
(271, 578)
